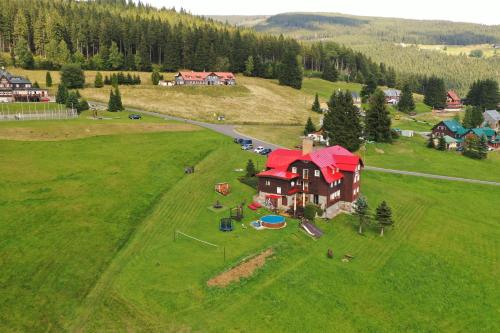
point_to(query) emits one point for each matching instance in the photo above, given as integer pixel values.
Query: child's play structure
(223, 188)
(236, 213)
(311, 229)
(226, 224)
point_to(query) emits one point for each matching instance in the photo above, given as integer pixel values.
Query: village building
(453, 101)
(319, 136)
(392, 96)
(492, 119)
(328, 177)
(205, 78)
(452, 129)
(19, 89)
(356, 98)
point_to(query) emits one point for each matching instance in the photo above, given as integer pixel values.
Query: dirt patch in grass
(78, 131)
(243, 270)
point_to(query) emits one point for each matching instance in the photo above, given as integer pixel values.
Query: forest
(120, 35)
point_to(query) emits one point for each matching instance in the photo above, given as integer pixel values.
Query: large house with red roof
(329, 178)
(205, 78)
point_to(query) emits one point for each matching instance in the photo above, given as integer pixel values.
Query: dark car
(236, 140)
(134, 116)
(266, 151)
(244, 142)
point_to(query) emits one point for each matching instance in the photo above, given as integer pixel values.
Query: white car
(258, 150)
(247, 147)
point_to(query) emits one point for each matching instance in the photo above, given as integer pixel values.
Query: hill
(396, 42)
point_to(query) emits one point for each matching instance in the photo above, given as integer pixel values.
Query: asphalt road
(230, 130)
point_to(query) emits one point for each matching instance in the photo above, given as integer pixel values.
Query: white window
(278, 190)
(293, 184)
(294, 170)
(316, 173)
(305, 173)
(332, 196)
(268, 183)
(331, 185)
(299, 182)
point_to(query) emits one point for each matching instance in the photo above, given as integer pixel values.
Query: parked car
(258, 150)
(247, 146)
(246, 142)
(134, 116)
(236, 140)
(266, 151)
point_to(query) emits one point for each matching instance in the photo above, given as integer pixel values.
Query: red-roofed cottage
(453, 102)
(328, 177)
(205, 78)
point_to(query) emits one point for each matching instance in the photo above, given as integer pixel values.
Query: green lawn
(87, 244)
(411, 154)
(326, 88)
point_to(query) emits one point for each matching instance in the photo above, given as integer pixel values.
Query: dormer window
(316, 173)
(294, 169)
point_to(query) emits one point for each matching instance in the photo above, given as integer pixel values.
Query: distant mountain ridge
(314, 26)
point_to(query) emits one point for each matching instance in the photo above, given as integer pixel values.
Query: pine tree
(330, 73)
(342, 123)
(361, 210)
(435, 93)
(112, 102)
(309, 128)
(62, 94)
(36, 85)
(430, 142)
(441, 143)
(24, 57)
(251, 171)
(378, 122)
(370, 87)
(249, 66)
(484, 94)
(115, 58)
(316, 106)
(72, 76)
(290, 72)
(406, 103)
(118, 100)
(48, 80)
(472, 147)
(98, 83)
(82, 105)
(483, 148)
(383, 216)
(72, 100)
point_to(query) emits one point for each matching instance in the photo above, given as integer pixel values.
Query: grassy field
(411, 154)
(325, 88)
(488, 50)
(87, 244)
(85, 126)
(18, 107)
(286, 136)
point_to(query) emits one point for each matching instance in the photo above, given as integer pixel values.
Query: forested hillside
(392, 41)
(115, 34)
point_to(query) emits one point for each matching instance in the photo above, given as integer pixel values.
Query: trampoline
(226, 224)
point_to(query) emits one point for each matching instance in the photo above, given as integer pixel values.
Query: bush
(311, 210)
(250, 181)
(72, 76)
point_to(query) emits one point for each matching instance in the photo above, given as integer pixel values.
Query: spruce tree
(72, 76)
(62, 94)
(24, 57)
(406, 103)
(361, 210)
(330, 72)
(342, 122)
(251, 171)
(309, 128)
(484, 94)
(435, 93)
(441, 143)
(383, 216)
(370, 87)
(72, 100)
(48, 79)
(290, 72)
(377, 121)
(115, 58)
(98, 83)
(36, 85)
(472, 147)
(483, 148)
(316, 106)
(112, 102)
(118, 100)
(249, 66)
(430, 142)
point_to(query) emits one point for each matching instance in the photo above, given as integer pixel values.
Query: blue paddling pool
(273, 221)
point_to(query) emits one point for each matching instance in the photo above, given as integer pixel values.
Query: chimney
(307, 146)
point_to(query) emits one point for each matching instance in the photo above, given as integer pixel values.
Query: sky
(476, 11)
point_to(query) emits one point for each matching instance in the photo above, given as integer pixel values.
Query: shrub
(72, 76)
(311, 210)
(250, 181)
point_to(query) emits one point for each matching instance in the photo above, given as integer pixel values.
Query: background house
(492, 119)
(19, 89)
(453, 101)
(392, 96)
(205, 78)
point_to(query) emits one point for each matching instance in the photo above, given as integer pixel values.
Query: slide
(312, 230)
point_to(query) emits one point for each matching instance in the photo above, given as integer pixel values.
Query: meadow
(87, 228)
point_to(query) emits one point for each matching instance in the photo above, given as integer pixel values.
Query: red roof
(453, 95)
(330, 160)
(276, 173)
(201, 76)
